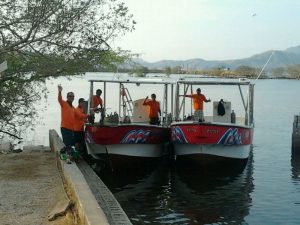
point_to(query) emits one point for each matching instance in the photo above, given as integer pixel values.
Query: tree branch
(10, 134)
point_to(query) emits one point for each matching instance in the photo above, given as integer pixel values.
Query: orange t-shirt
(97, 101)
(80, 118)
(197, 101)
(67, 114)
(154, 108)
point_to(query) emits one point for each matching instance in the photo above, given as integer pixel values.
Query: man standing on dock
(198, 100)
(67, 119)
(80, 119)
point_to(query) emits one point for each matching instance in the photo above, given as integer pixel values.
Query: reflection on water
(216, 198)
(166, 196)
(295, 164)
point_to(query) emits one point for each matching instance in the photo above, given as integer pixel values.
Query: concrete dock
(31, 186)
(38, 188)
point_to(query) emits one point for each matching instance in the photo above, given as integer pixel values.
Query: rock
(17, 150)
(60, 209)
(6, 147)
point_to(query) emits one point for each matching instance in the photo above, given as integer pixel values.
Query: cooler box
(140, 112)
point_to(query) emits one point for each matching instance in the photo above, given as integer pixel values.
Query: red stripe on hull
(211, 134)
(127, 134)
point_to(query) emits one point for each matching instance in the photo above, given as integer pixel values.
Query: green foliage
(246, 71)
(41, 39)
(279, 72)
(294, 71)
(139, 71)
(168, 71)
(291, 72)
(17, 110)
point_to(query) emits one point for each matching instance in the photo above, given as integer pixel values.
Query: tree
(246, 71)
(278, 72)
(294, 71)
(168, 71)
(42, 38)
(139, 71)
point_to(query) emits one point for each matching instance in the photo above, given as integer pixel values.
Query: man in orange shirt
(80, 119)
(67, 119)
(198, 100)
(97, 101)
(154, 109)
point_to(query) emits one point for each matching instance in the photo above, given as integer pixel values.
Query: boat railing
(126, 102)
(211, 119)
(247, 96)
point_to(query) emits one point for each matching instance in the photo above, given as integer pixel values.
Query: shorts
(154, 121)
(198, 115)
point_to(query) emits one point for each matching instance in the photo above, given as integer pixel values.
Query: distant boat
(218, 139)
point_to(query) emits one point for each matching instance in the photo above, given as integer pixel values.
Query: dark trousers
(79, 142)
(154, 121)
(78, 137)
(67, 136)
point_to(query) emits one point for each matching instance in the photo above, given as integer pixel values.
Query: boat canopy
(135, 80)
(248, 100)
(214, 82)
(125, 101)
(172, 96)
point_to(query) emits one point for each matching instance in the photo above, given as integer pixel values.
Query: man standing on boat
(97, 101)
(198, 100)
(67, 119)
(154, 109)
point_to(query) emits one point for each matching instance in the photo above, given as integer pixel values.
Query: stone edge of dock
(88, 209)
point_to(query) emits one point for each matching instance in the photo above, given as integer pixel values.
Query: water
(267, 191)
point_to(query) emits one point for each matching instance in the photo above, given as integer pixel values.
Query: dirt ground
(30, 187)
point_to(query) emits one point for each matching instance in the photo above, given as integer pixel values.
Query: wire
(263, 67)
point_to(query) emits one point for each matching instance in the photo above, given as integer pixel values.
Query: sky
(210, 29)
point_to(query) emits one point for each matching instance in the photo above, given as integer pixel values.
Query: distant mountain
(284, 58)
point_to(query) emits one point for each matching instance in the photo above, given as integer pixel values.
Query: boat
(219, 140)
(124, 138)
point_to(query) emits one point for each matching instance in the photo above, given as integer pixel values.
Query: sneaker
(68, 161)
(75, 154)
(63, 150)
(63, 156)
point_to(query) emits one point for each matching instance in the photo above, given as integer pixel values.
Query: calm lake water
(267, 191)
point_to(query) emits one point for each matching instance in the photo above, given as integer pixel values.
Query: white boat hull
(226, 151)
(131, 150)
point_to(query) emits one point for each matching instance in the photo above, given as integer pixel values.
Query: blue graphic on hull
(178, 136)
(135, 137)
(231, 137)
